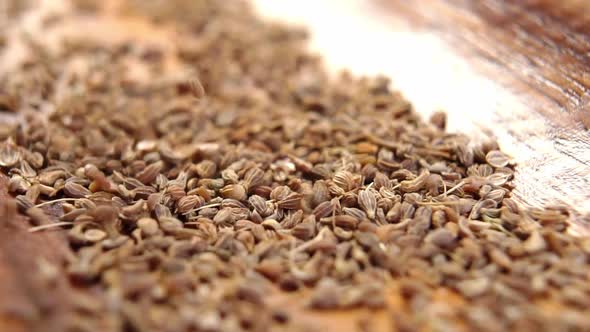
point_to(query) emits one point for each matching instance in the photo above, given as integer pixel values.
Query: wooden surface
(516, 70)
(23, 301)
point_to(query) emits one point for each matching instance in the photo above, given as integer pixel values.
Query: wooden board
(518, 71)
(515, 70)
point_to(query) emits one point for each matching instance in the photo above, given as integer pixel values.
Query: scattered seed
(497, 158)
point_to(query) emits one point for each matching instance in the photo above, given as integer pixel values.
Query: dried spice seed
(9, 154)
(180, 204)
(291, 202)
(497, 158)
(94, 235)
(234, 191)
(74, 190)
(474, 287)
(206, 169)
(368, 202)
(190, 202)
(149, 174)
(196, 89)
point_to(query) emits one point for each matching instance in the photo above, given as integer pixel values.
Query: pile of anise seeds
(187, 202)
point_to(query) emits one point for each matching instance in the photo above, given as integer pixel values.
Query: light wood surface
(514, 70)
(518, 71)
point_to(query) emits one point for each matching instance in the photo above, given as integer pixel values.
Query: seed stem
(48, 226)
(203, 207)
(457, 186)
(439, 203)
(56, 201)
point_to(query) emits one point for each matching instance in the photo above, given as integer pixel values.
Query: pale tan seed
(48, 178)
(356, 213)
(320, 193)
(230, 176)
(534, 243)
(280, 192)
(367, 200)
(473, 287)
(415, 184)
(344, 180)
(9, 154)
(176, 191)
(500, 258)
(196, 88)
(271, 224)
(94, 235)
(206, 169)
(497, 158)
(254, 177)
(170, 224)
(189, 202)
(234, 191)
(291, 202)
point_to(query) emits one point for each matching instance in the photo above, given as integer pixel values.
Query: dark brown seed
(344, 221)
(304, 230)
(439, 120)
(323, 210)
(149, 174)
(105, 214)
(441, 237)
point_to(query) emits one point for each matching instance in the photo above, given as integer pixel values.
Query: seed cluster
(187, 202)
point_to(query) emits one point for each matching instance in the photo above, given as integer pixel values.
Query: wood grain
(538, 50)
(25, 303)
(517, 71)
